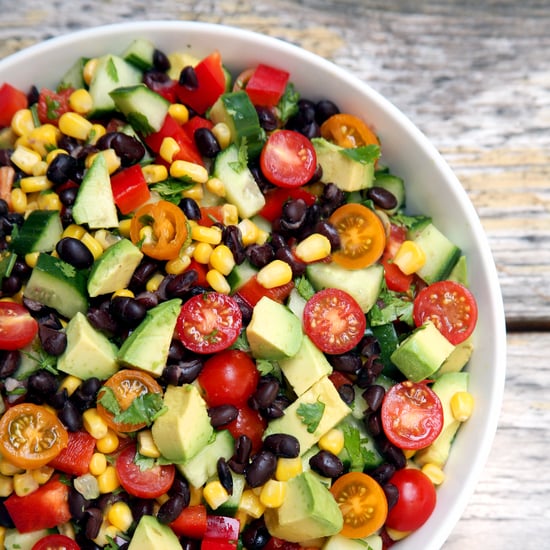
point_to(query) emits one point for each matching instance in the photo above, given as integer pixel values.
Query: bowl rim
(441, 527)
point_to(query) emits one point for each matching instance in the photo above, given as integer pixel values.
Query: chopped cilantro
(242, 160)
(144, 409)
(111, 70)
(391, 306)
(365, 155)
(171, 188)
(288, 104)
(304, 288)
(140, 123)
(311, 414)
(51, 108)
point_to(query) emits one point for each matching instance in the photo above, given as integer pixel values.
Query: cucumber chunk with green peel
(58, 285)
(140, 53)
(74, 77)
(39, 232)
(395, 185)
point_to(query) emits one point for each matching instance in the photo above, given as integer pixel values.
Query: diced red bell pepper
(44, 508)
(130, 190)
(276, 198)
(210, 84)
(216, 544)
(171, 128)
(11, 100)
(192, 522)
(75, 458)
(211, 215)
(252, 291)
(202, 270)
(222, 533)
(396, 280)
(266, 85)
(276, 543)
(196, 122)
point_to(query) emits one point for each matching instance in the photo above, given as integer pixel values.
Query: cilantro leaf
(409, 221)
(288, 104)
(111, 70)
(352, 444)
(140, 123)
(304, 287)
(391, 306)
(311, 414)
(171, 188)
(366, 154)
(242, 160)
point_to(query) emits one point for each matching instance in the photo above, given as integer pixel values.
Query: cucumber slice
(140, 53)
(241, 188)
(144, 109)
(74, 77)
(230, 507)
(240, 274)
(39, 233)
(59, 285)
(396, 186)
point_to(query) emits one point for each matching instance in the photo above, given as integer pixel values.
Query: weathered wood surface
(475, 78)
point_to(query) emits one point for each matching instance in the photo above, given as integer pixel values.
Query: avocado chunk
(362, 284)
(345, 172)
(458, 358)
(338, 542)
(184, 429)
(14, 540)
(147, 347)
(309, 511)
(422, 353)
(151, 534)
(88, 353)
(306, 367)
(445, 387)
(312, 415)
(114, 268)
(94, 204)
(274, 332)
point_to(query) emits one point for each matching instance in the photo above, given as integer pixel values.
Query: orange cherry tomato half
(127, 385)
(362, 236)
(168, 230)
(348, 131)
(363, 504)
(31, 435)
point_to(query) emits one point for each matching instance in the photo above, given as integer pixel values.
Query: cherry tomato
(168, 229)
(51, 105)
(126, 384)
(396, 280)
(11, 100)
(31, 435)
(192, 522)
(250, 423)
(288, 159)
(348, 131)
(416, 502)
(56, 542)
(362, 502)
(229, 378)
(362, 236)
(209, 322)
(334, 321)
(450, 306)
(17, 327)
(143, 483)
(252, 291)
(412, 415)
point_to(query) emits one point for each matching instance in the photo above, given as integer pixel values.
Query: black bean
(53, 341)
(140, 508)
(21, 269)
(61, 169)
(5, 518)
(142, 274)
(176, 351)
(58, 399)
(106, 500)
(347, 393)
(324, 109)
(224, 475)
(74, 252)
(260, 255)
(369, 346)
(11, 285)
(42, 382)
(5, 160)
(265, 393)
(267, 118)
(157, 80)
(147, 299)
(190, 544)
(326, 464)
(9, 361)
(222, 415)
(243, 448)
(190, 208)
(294, 214)
(71, 417)
(286, 255)
(90, 387)
(282, 445)
(255, 535)
(127, 310)
(206, 142)
(93, 523)
(382, 197)
(329, 231)
(245, 307)
(373, 423)
(383, 473)
(392, 494)
(277, 408)
(183, 372)
(233, 239)
(393, 454)
(311, 130)
(374, 395)
(171, 509)
(331, 198)
(161, 61)
(179, 285)
(77, 504)
(101, 320)
(348, 363)
(188, 78)
(261, 468)
(128, 148)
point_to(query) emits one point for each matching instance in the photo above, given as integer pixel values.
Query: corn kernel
(275, 273)
(9, 469)
(168, 149)
(111, 158)
(152, 285)
(43, 138)
(222, 259)
(288, 468)
(107, 533)
(409, 453)
(153, 173)
(216, 186)
(122, 293)
(89, 69)
(215, 494)
(40, 169)
(94, 424)
(462, 405)
(217, 281)
(22, 122)
(124, 227)
(202, 252)
(313, 248)
(332, 441)
(80, 101)
(92, 245)
(222, 133)
(177, 265)
(396, 535)
(25, 158)
(74, 231)
(184, 169)
(195, 495)
(230, 214)
(195, 192)
(105, 238)
(98, 464)
(49, 201)
(409, 258)
(70, 383)
(24, 483)
(108, 443)
(249, 231)
(179, 112)
(273, 493)
(43, 474)
(251, 504)
(108, 481)
(97, 131)
(32, 184)
(203, 234)
(146, 444)
(6, 486)
(75, 125)
(18, 200)
(434, 472)
(120, 515)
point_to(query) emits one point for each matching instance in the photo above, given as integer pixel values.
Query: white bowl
(432, 189)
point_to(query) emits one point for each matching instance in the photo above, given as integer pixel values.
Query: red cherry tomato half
(17, 327)
(450, 306)
(209, 322)
(250, 423)
(229, 378)
(412, 415)
(416, 502)
(56, 542)
(334, 321)
(52, 104)
(288, 159)
(143, 483)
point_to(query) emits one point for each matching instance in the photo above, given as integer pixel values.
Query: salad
(219, 326)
